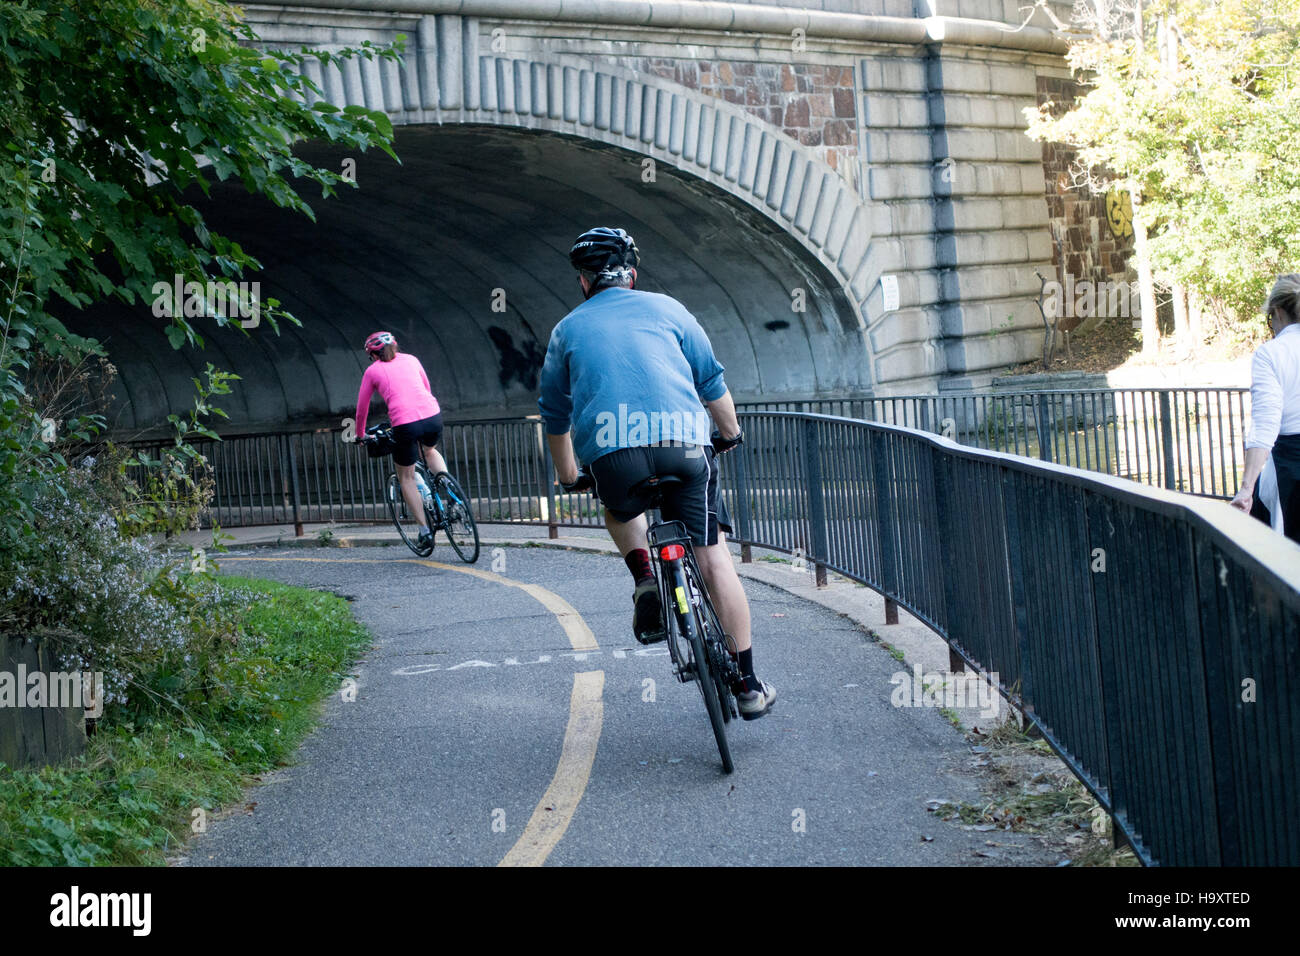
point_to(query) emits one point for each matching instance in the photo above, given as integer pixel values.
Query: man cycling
(627, 372)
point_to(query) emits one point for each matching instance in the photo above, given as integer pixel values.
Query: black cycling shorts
(408, 438)
(696, 503)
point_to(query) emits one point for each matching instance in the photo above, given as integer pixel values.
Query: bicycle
(697, 644)
(454, 517)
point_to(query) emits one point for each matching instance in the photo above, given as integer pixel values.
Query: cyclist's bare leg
(411, 492)
(725, 590)
(433, 458)
(628, 535)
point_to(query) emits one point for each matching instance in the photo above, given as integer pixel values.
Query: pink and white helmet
(378, 340)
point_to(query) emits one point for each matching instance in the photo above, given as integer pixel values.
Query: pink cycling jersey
(404, 387)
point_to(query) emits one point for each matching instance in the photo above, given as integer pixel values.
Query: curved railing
(1153, 637)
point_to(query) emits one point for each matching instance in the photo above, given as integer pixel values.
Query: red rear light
(672, 552)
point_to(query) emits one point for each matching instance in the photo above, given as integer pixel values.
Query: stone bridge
(844, 196)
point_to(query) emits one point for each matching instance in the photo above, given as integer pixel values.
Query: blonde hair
(388, 352)
(1285, 297)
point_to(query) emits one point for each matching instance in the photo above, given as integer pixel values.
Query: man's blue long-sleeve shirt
(629, 368)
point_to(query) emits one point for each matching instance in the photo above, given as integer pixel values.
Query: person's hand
(1243, 501)
(723, 445)
(581, 482)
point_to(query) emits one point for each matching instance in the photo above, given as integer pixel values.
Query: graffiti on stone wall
(1119, 213)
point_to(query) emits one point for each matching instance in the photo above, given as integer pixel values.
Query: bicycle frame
(438, 512)
(677, 592)
(432, 511)
(674, 590)
(688, 611)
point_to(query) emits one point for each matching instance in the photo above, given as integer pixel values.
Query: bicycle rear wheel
(461, 529)
(407, 525)
(692, 623)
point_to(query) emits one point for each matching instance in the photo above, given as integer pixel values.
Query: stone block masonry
(812, 103)
(1085, 244)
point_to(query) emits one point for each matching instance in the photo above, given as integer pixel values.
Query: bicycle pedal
(653, 637)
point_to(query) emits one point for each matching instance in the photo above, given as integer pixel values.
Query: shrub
(108, 603)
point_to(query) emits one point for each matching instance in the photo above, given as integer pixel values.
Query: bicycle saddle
(655, 485)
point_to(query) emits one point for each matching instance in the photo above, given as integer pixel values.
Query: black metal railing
(1183, 439)
(1134, 627)
(299, 477)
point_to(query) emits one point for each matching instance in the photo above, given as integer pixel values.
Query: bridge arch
(451, 82)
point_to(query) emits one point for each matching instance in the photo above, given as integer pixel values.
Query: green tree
(1193, 107)
(110, 111)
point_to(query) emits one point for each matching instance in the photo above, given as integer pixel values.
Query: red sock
(638, 562)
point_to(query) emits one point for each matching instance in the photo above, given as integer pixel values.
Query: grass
(1032, 793)
(1029, 812)
(894, 652)
(132, 798)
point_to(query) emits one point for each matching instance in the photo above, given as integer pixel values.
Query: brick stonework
(1090, 249)
(814, 104)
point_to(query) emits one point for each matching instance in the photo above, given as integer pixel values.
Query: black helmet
(603, 249)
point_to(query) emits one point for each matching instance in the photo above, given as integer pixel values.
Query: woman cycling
(413, 411)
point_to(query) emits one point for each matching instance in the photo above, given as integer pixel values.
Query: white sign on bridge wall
(889, 290)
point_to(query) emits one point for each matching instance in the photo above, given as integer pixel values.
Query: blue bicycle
(446, 506)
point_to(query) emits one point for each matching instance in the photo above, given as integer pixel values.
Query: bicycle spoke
(458, 522)
(407, 525)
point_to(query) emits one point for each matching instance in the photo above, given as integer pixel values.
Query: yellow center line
(555, 810)
(575, 628)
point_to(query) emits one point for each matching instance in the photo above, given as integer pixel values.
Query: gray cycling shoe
(754, 704)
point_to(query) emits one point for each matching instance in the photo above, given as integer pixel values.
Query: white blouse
(1275, 389)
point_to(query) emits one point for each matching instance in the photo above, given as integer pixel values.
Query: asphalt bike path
(509, 717)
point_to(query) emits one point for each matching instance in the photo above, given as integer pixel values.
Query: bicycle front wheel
(408, 526)
(461, 529)
(709, 688)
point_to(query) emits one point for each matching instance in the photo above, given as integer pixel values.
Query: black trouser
(696, 503)
(1286, 462)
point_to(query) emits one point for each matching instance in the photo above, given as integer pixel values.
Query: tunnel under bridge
(856, 213)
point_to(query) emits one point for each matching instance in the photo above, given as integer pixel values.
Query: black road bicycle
(699, 649)
(446, 509)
